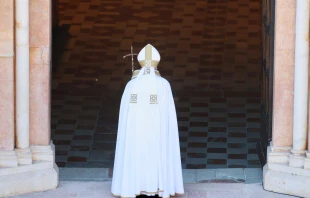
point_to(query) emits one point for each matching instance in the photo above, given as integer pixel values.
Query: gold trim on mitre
(148, 63)
(148, 52)
(136, 72)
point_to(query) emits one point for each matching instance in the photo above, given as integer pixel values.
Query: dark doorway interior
(211, 54)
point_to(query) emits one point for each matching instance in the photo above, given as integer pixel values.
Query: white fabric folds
(147, 157)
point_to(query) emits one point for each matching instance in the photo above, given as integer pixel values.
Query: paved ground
(228, 175)
(211, 55)
(210, 190)
(199, 183)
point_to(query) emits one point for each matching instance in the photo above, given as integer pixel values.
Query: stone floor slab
(76, 189)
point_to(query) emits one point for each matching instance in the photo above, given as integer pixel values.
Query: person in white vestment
(147, 157)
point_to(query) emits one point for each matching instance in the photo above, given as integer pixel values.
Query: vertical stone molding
(8, 156)
(7, 75)
(283, 91)
(40, 85)
(307, 160)
(301, 84)
(286, 169)
(22, 81)
(7, 29)
(283, 85)
(29, 165)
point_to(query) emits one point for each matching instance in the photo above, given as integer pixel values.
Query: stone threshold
(93, 189)
(190, 176)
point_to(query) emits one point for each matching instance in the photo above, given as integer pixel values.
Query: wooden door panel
(267, 77)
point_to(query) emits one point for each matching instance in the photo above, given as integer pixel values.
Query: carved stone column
(37, 170)
(8, 156)
(307, 160)
(301, 84)
(283, 93)
(285, 172)
(22, 81)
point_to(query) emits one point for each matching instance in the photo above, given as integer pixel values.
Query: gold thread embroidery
(148, 63)
(153, 99)
(148, 53)
(147, 71)
(133, 98)
(136, 72)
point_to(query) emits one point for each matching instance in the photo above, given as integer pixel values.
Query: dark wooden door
(268, 9)
(55, 13)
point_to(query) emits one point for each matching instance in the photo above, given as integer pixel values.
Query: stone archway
(223, 43)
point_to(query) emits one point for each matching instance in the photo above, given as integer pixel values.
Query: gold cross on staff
(131, 54)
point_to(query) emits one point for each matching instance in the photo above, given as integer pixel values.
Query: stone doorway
(214, 70)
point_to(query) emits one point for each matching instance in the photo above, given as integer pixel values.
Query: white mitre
(149, 56)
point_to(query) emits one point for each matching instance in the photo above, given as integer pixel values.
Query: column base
(307, 162)
(42, 174)
(8, 159)
(36, 177)
(278, 154)
(282, 178)
(24, 156)
(297, 158)
(43, 153)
